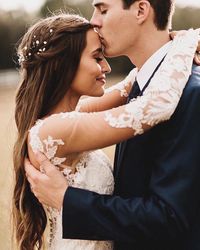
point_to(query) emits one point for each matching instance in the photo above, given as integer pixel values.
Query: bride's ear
(143, 11)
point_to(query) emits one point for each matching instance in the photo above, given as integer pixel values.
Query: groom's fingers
(45, 165)
(32, 174)
(31, 171)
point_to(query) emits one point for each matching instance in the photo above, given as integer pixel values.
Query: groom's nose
(96, 20)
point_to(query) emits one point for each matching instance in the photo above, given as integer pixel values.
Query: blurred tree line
(13, 25)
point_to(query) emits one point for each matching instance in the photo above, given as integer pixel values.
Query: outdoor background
(15, 17)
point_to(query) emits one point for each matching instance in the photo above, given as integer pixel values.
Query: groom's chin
(109, 54)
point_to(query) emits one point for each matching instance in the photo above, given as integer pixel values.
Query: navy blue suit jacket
(156, 204)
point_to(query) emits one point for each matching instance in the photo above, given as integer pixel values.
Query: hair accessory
(27, 53)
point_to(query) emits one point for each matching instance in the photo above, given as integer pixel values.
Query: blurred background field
(15, 17)
(6, 142)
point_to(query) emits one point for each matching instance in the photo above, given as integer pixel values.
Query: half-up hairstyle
(49, 56)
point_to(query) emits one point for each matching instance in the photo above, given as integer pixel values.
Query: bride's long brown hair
(49, 55)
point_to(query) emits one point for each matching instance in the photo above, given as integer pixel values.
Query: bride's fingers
(198, 48)
(173, 33)
(197, 54)
(197, 58)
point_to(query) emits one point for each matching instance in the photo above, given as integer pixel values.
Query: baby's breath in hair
(27, 52)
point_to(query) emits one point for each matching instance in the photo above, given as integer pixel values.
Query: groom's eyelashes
(103, 12)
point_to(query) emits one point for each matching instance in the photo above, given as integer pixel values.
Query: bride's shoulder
(49, 134)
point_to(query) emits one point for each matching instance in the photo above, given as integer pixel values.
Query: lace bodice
(94, 173)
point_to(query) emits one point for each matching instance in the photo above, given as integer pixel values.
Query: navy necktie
(135, 91)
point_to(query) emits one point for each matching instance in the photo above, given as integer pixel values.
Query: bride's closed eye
(99, 56)
(99, 59)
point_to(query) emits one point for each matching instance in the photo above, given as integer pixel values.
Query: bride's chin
(100, 92)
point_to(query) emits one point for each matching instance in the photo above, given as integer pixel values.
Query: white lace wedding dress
(94, 172)
(93, 168)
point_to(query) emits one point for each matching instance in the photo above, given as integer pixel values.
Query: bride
(61, 60)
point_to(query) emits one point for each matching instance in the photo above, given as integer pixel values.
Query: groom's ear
(143, 11)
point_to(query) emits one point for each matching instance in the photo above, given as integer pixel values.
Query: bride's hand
(197, 55)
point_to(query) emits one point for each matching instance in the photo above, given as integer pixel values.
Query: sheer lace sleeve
(124, 86)
(164, 91)
(113, 97)
(75, 132)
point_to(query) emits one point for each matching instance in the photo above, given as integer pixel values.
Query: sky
(33, 5)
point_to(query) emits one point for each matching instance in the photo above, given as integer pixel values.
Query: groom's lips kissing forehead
(103, 43)
(100, 35)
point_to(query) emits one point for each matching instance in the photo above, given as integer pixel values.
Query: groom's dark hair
(162, 10)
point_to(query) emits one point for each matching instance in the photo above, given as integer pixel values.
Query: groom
(156, 203)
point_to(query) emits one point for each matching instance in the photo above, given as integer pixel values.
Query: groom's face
(117, 26)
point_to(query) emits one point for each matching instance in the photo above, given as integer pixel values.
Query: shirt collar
(150, 65)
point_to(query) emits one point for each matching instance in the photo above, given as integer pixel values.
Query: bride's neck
(67, 104)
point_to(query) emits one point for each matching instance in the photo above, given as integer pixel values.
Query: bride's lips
(101, 79)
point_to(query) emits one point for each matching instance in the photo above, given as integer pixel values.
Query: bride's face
(91, 74)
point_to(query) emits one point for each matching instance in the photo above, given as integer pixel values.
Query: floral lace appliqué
(121, 86)
(50, 146)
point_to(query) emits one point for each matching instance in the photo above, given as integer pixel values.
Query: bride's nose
(105, 67)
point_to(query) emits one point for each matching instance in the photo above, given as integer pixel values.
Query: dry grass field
(7, 135)
(6, 144)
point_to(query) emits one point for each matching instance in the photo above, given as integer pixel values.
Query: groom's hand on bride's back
(197, 55)
(49, 186)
